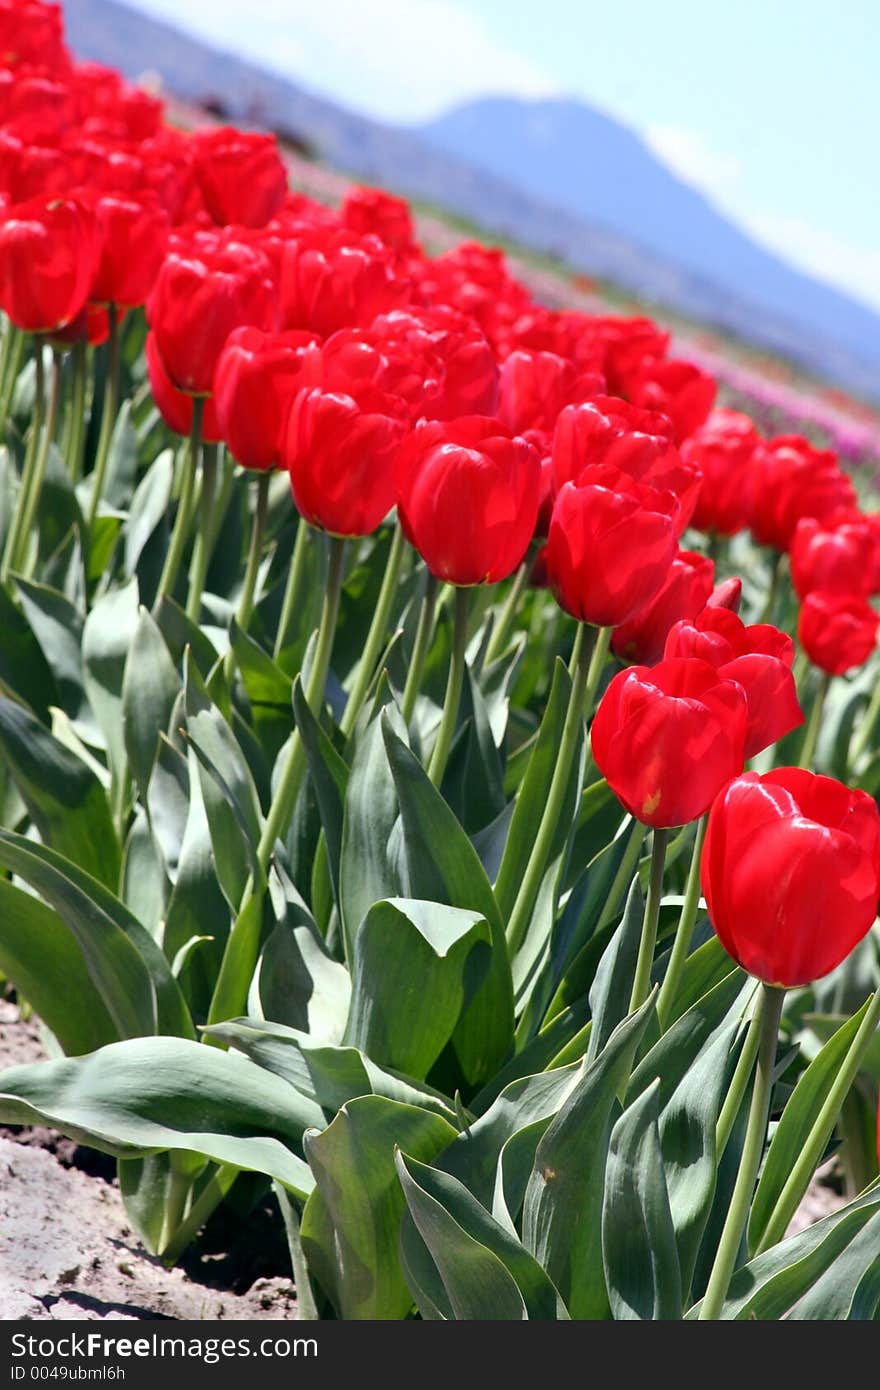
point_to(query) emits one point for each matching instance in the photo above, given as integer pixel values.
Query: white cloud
(690, 155)
(824, 254)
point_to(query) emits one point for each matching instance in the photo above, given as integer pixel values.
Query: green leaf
(58, 628)
(367, 869)
(329, 773)
(42, 959)
(407, 951)
(63, 796)
(351, 1222)
(678, 1048)
(612, 987)
(850, 1289)
(149, 1095)
(638, 1238)
(149, 506)
(299, 984)
(122, 460)
(23, 667)
(150, 686)
(268, 689)
(108, 634)
(563, 1203)
(486, 1272)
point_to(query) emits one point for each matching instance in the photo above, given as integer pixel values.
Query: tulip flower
(372, 210)
(722, 449)
(49, 249)
(535, 386)
(669, 737)
(791, 873)
(759, 658)
(133, 231)
(331, 279)
(792, 479)
(241, 175)
(610, 545)
(837, 631)
(837, 557)
(686, 590)
(678, 389)
(256, 380)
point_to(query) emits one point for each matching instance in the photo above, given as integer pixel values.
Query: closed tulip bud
(668, 738)
(610, 545)
(722, 449)
(792, 479)
(838, 556)
(727, 594)
(241, 175)
(791, 873)
(257, 378)
(468, 496)
(686, 590)
(759, 657)
(48, 253)
(134, 231)
(341, 459)
(176, 407)
(837, 631)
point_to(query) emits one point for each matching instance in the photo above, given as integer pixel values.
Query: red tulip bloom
(331, 279)
(241, 175)
(257, 378)
(372, 210)
(791, 873)
(198, 299)
(535, 386)
(625, 344)
(341, 458)
(686, 590)
(176, 407)
(48, 253)
(727, 594)
(759, 657)
(406, 369)
(468, 498)
(678, 389)
(134, 231)
(668, 738)
(837, 631)
(638, 442)
(722, 449)
(837, 556)
(610, 545)
(792, 479)
(469, 385)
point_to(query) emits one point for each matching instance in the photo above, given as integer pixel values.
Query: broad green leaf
(297, 983)
(108, 633)
(122, 460)
(64, 798)
(563, 1203)
(850, 1289)
(406, 952)
(268, 691)
(23, 667)
(824, 1026)
(367, 869)
(351, 1221)
(44, 962)
(150, 686)
(642, 1274)
(676, 1051)
(58, 627)
(144, 885)
(612, 987)
(149, 1095)
(149, 507)
(329, 773)
(486, 1272)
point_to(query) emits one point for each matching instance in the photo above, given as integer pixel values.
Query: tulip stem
(201, 554)
(13, 351)
(623, 877)
(421, 646)
(773, 591)
(813, 1147)
(642, 981)
(685, 929)
(108, 416)
(16, 530)
(500, 632)
(523, 906)
(182, 520)
(39, 474)
(811, 734)
(249, 587)
(208, 1200)
(866, 728)
(770, 1012)
(243, 943)
(738, 1083)
(377, 633)
(293, 589)
(452, 700)
(75, 434)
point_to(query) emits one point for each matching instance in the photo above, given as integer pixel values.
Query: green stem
(773, 591)
(201, 555)
(13, 343)
(208, 1200)
(293, 591)
(376, 635)
(179, 1185)
(770, 1010)
(642, 981)
(16, 526)
(598, 657)
(39, 474)
(183, 519)
(108, 416)
(498, 639)
(814, 724)
(421, 646)
(739, 1081)
(452, 700)
(540, 853)
(813, 1147)
(77, 420)
(623, 877)
(867, 726)
(249, 588)
(242, 945)
(684, 931)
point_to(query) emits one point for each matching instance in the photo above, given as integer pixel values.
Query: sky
(770, 107)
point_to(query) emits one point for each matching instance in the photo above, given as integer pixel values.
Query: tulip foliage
(438, 749)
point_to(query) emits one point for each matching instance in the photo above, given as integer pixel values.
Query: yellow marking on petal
(650, 803)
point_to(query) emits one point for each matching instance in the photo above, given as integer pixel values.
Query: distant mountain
(553, 175)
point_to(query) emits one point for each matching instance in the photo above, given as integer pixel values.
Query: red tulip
(791, 873)
(838, 557)
(668, 738)
(406, 368)
(625, 344)
(759, 657)
(48, 253)
(256, 381)
(241, 175)
(686, 590)
(792, 479)
(134, 230)
(678, 389)
(469, 385)
(727, 594)
(468, 498)
(373, 210)
(176, 407)
(341, 462)
(534, 387)
(722, 449)
(837, 631)
(199, 297)
(331, 279)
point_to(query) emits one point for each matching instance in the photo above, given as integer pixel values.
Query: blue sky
(771, 107)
